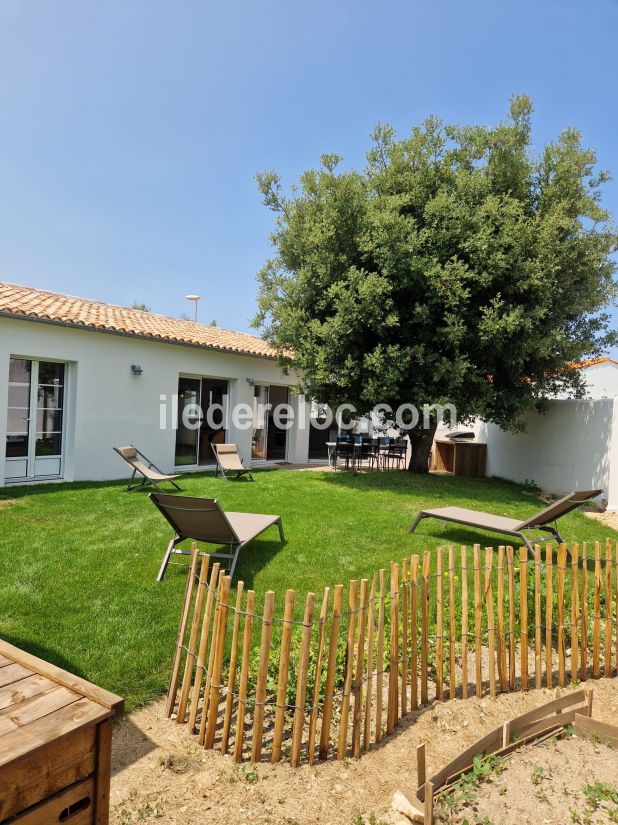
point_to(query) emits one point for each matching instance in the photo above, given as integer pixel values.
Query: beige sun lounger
(511, 526)
(140, 464)
(202, 519)
(229, 461)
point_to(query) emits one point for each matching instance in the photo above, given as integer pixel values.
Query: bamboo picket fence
(329, 678)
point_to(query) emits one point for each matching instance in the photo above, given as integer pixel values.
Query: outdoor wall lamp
(136, 369)
(251, 382)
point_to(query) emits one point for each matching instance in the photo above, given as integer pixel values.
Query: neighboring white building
(601, 377)
(78, 377)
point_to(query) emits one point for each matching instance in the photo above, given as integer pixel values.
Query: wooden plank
(313, 718)
(24, 688)
(50, 810)
(596, 619)
(439, 624)
(510, 566)
(370, 646)
(414, 563)
(538, 620)
(34, 708)
(425, 628)
(69, 718)
(487, 744)
(522, 722)
(46, 770)
(608, 608)
(464, 622)
(562, 558)
(358, 674)
(215, 687)
(428, 806)
(523, 615)
(205, 640)
(501, 638)
(231, 681)
(392, 716)
(239, 738)
(421, 765)
(12, 673)
(301, 682)
(380, 662)
(405, 589)
(282, 680)
(103, 774)
(549, 606)
(349, 663)
(61, 677)
(585, 726)
(195, 626)
(583, 664)
(262, 676)
(452, 673)
(491, 628)
(477, 620)
(4, 660)
(574, 610)
(331, 669)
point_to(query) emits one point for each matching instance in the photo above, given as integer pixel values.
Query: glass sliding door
(189, 418)
(270, 437)
(258, 442)
(202, 417)
(35, 419)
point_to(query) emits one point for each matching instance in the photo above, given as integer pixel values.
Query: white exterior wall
(602, 380)
(574, 446)
(106, 405)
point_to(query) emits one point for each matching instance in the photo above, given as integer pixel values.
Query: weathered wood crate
(55, 743)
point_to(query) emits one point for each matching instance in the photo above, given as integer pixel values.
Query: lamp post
(195, 299)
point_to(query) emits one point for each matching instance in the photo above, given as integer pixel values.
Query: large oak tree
(458, 267)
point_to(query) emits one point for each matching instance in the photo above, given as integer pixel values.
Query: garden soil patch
(162, 775)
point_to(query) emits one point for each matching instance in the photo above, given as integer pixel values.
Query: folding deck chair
(229, 461)
(511, 526)
(140, 464)
(202, 519)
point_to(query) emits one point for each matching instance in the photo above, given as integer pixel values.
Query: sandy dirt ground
(567, 780)
(160, 774)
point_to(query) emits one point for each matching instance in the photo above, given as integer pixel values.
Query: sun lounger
(511, 526)
(140, 464)
(229, 461)
(202, 519)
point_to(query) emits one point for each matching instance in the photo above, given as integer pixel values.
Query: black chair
(395, 453)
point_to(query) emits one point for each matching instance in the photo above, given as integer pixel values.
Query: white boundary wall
(574, 446)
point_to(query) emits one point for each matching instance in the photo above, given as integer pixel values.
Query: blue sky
(131, 131)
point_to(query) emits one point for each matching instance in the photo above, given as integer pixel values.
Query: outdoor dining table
(355, 452)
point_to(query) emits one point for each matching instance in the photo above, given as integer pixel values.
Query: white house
(78, 377)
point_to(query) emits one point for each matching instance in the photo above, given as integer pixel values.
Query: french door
(202, 416)
(270, 439)
(35, 419)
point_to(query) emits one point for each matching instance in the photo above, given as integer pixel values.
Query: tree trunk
(421, 441)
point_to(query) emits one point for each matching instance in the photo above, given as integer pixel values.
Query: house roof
(53, 307)
(593, 362)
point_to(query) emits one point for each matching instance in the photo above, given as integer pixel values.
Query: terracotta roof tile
(580, 365)
(25, 302)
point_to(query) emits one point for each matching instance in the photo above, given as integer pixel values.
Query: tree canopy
(459, 266)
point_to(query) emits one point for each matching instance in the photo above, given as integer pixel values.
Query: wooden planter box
(55, 743)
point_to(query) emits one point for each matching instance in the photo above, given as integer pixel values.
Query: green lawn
(78, 561)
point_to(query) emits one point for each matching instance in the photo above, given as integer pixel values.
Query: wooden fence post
(574, 611)
(284, 668)
(502, 676)
(205, 639)
(182, 630)
(392, 716)
(425, 628)
(301, 682)
(562, 554)
(357, 714)
(349, 665)
(215, 687)
(405, 587)
(584, 616)
(313, 719)
(380, 662)
(523, 615)
(608, 608)
(452, 675)
(464, 622)
(439, 624)
(331, 668)
(510, 567)
(549, 606)
(414, 629)
(538, 619)
(370, 645)
(231, 680)
(596, 628)
(491, 629)
(478, 614)
(239, 739)
(262, 676)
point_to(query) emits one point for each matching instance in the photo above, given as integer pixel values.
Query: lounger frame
(221, 470)
(146, 480)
